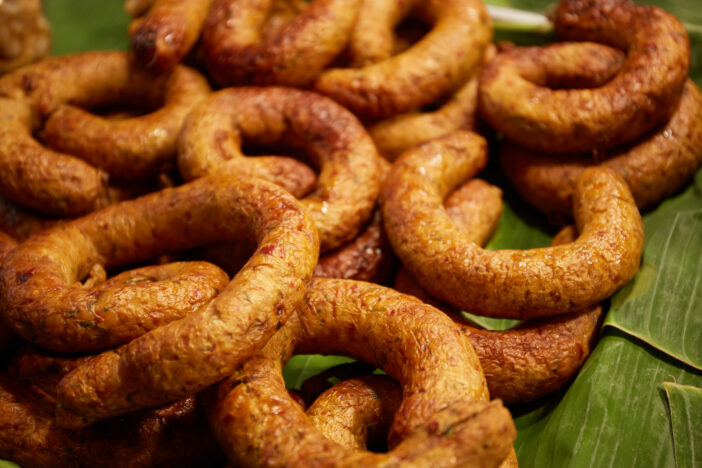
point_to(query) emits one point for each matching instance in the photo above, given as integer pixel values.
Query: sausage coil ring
(349, 165)
(7, 243)
(186, 355)
(174, 435)
(507, 283)
(399, 133)
(237, 54)
(357, 412)
(533, 359)
(444, 414)
(57, 183)
(654, 167)
(98, 313)
(641, 96)
(436, 65)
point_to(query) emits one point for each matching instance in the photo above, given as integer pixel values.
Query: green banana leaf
(638, 399)
(685, 413)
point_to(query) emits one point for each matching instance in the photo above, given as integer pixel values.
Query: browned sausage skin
(25, 36)
(237, 54)
(174, 435)
(654, 167)
(508, 283)
(37, 177)
(7, 243)
(357, 413)
(443, 413)
(162, 35)
(134, 147)
(399, 133)
(350, 169)
(533, 359)
(641, 96)
(437, 64)
(257, 300)
(368, 257)
(97, 314)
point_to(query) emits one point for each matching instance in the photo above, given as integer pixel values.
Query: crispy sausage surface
(162, 35)
(25, 36)
(237, 54)
(356, 413)
(190, 354)
(443, 416)
(437, 64)
(52, 182)
(133, 147)
(507, 283)
(368, 257)
(7, 243)
(533, 359)
(349, 165)
(642, 95)
(654, 167)
(96, 314)
(399, 133)
(174, 435)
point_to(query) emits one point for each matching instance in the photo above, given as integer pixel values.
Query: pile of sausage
(168, 246)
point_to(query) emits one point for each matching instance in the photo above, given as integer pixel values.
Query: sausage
(165, 31)
(532, 359)
(641, 96)
(174, 435)
(399, 133)
(187, 355)
(436, 65)
(443, 417)
(349, 165)
(236, 54)
(356, 413)
(507, 283)
(654, 167)
(55, 183)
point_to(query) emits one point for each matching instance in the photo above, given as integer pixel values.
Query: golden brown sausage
(25, 36)
(368, 257)
(166, 32)
(357, 412)
(533, 359)
(443, 417)
(437, 64)
(56, 183)
(641, 96)
(349, 165)
(134, 147)
(42, 369)
(7, 337)
(236, 54)
(476, 206)
(654, 167)
(399, 133)
(507, 283)
(189, 354)
(95, 314)
(174, 435)
(323, 381)
(20, 223)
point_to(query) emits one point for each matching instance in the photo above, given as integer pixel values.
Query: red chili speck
(268, 250)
